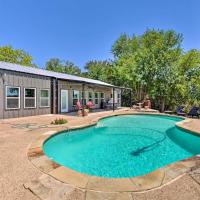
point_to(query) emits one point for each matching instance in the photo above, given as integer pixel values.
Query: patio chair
(78, 105)
(179, 111)
(90, 105)
(109, 104)
(147, 104)
(194, 112)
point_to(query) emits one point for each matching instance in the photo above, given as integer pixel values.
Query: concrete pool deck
(21, 180)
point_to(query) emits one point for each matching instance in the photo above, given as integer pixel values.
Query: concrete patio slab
(69, 176)
(48, 188)
(91, 195)
(44, 164)
(16, 170)
(149, 181)
(110, 184)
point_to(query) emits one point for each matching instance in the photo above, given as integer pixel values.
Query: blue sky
(86, 29)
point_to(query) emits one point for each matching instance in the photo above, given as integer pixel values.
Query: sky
(83, 30)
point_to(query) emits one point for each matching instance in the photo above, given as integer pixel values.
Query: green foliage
(152, 64)
(189, 60)
(148, 63)
(100, 70)
(17, 56)
(56, 65)
(59, 121)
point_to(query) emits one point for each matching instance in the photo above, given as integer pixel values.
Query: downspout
(56, 96)
(52, 95)
(3, 83)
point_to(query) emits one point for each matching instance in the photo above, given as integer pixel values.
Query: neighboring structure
(26, 91)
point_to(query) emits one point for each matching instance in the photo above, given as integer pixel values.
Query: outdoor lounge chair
(194, 112)
(78, 105)
(179, 111)
(90, 105)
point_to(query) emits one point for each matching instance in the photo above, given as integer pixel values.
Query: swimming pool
(123, 146)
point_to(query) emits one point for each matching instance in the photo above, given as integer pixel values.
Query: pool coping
(149, 181)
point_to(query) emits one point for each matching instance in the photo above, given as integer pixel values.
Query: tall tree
(18, 56)
(100, 70)
(190, 68)
(56, 65)
(149, 63)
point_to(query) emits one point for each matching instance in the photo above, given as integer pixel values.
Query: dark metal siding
(23, 80)
(1, 96)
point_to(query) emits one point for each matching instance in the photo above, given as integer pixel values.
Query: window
(102, 96)
(118, 98)
(29, 97)
(75, 97)
(96, 98)
(12, 97)
(90, 98)
(44, 98)
(85, 99)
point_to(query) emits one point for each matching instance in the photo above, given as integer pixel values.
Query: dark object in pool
(137, 152)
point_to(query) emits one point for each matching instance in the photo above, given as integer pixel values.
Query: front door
(64, 101)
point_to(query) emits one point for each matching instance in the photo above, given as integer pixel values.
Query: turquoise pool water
(123, 146)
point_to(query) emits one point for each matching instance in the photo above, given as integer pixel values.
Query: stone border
(148, 181)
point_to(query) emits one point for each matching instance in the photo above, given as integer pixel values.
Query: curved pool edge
(152, 180)
(183, 125)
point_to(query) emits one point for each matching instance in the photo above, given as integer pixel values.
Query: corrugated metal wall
(1, 95)
(23, 80)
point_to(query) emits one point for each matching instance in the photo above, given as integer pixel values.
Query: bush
(59, 121)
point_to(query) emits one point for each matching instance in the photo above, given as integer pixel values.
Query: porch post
(83, 99)
(113, 99)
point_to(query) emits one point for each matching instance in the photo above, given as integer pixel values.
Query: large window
(102, 96)
(44, 98)
(90, 98)
(118, 98)
(96, 98)
(75, 97)
(29, 97)
(85, 99)
(12, 97)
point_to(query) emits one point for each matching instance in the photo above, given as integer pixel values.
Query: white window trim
(45, 98)
(96, 98)
(102, 98)
(119, 98)
(92, 98)
(86, 96)
(8, 86)
(75, 98)
(30, 98)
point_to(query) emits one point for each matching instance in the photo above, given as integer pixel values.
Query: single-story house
(26, 91)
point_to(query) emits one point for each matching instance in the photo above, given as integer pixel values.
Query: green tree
(189, 60)
(149, 63)
(56, 65)
(18, 56)
(100, 70)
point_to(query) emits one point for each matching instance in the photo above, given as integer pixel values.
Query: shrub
(59, 121)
